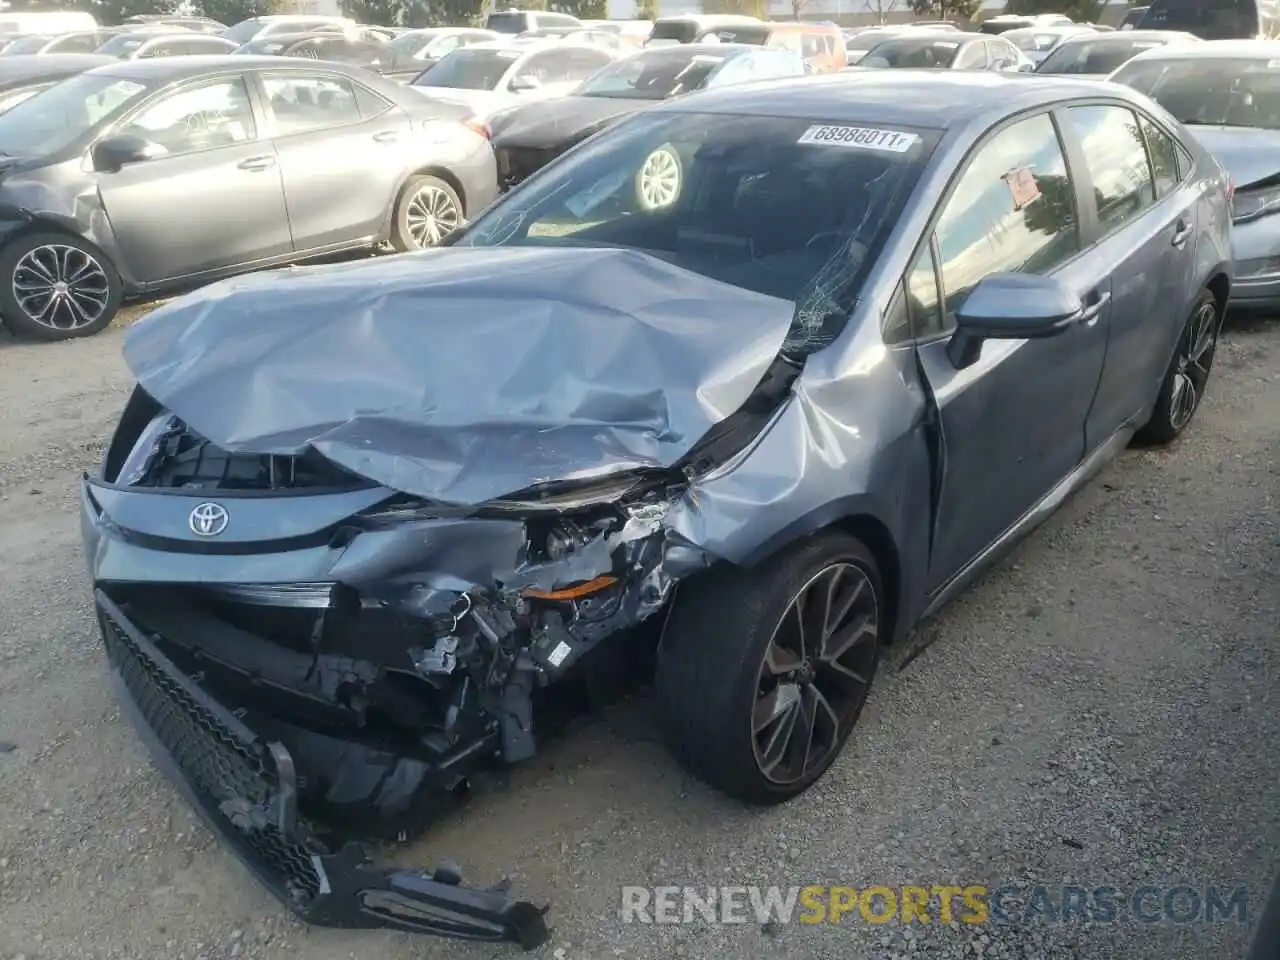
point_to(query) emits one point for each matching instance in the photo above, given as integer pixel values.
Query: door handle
(257, 163)
(1089, 315)
(387, 136)
(1180, 233)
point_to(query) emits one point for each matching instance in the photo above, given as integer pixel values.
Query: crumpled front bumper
(246, 791)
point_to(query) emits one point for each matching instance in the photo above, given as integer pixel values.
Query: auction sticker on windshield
(863, 138)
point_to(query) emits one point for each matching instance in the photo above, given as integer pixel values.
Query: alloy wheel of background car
(736, 699)
(58, 287)
(660, 178)
(1183, 386)
(427, 212)
(432, 215)
(817, 666)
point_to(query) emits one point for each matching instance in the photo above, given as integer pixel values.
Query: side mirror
(111, 153)
(1013, 306)
(523, 84)
(1026, 67)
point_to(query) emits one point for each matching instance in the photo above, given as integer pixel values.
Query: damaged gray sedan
(729, 398)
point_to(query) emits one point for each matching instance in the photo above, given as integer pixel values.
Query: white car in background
(1036, 43)
(1096, 56)
(493, 76)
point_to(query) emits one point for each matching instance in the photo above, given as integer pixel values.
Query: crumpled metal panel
(464, 374)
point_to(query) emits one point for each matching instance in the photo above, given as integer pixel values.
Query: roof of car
(900, 97)
(1069, 29)
(936, 33)
(170, 69)
(1211, 49)
(1138, 36)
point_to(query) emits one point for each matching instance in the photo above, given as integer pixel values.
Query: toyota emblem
(208, 520)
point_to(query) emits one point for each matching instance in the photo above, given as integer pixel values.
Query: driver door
(214, 200)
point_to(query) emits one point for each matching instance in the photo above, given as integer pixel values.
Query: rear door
(1143, 222)
(214, 201)
(340, 147)
(1012, 424)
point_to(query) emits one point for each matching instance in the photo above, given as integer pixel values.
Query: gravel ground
(1101, 710)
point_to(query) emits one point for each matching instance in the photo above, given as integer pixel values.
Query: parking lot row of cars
(129, 177)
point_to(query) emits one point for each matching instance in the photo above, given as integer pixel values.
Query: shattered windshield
(785, 207)
(1226, 92)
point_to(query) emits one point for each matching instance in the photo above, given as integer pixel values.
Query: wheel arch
(1219, 284)
(859, 517)
(427, 170)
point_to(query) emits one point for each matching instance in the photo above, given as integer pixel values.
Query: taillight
(479, 126)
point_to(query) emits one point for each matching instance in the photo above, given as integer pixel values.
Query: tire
(1184, 382)
(86, 305)
(427, 211)
(713, 679)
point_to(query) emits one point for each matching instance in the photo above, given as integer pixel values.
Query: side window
(157, 50)
(1117, 162)
(1164, 157)
(1004, 55)
(86, 43)
(923, 309)
(307, 48)
(1185, 163)
(544, 68)
(1013, 210)
(972, 57)
(371, 104)
(445, 44)
(199, 118)
(302, 103)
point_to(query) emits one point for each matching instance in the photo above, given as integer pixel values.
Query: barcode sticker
(862, 138)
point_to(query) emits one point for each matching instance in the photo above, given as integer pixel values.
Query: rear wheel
(427, 211)
(1184, 382)
(763, 673)
(56, 286)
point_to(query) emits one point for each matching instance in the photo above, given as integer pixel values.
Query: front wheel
(56, 286)
(427, 211)
(1184, 382)
(762, 673)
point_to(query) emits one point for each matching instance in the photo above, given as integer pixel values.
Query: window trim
(1071, 156)
(1085, 199)
(159, 95)
(274, 130)
(1178, 178)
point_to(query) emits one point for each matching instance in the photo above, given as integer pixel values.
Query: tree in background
(1081, 11)
(110, 12)
(440, 13)
(233, 11)
(582, 9)
(385, 12)
(945, 9)
(647, 10)
(749, 8)
(882, 8)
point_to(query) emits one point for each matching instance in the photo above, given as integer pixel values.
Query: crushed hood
(463, 374)
(1249, 154)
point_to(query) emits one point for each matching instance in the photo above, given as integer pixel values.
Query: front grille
(231, 774)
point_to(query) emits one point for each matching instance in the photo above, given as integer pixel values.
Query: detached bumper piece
(246, 790)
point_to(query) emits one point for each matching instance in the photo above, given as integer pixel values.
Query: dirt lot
(1102, 710)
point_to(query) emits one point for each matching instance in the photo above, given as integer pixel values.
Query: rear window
(781, 206)
(1095, 56)
(1226, 92)
(865, 41)
(681, 31)
(906, 52)
(507, 22)
(653, 75)
(1031, 42)
(469, 69)
(1207, 19)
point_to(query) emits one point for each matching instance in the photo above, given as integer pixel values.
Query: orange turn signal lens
(479, 126)
(575, 592)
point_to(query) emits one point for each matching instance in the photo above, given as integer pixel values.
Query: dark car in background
(142, 46)
(529, 136)
(1098, 56)
(1213, 19)
(24, 77)
(874, 330)
(149, 175)
(335, 47)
